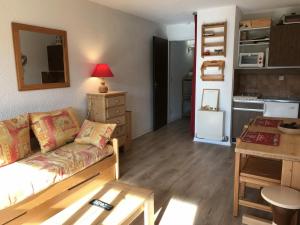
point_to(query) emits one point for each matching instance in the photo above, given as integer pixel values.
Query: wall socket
(281, 77)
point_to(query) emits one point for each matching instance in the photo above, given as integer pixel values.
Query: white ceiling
(180, 11)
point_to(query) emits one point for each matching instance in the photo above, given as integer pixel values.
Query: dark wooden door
(285, 45)
(55, 58)
(160, 82)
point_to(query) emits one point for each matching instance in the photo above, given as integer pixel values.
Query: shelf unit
(214, 44)
(214, 39)
(254, 28)
(255, 40)
(257, 44)
(220, 34)
(186, 96)
(252, 40)
(219, 76)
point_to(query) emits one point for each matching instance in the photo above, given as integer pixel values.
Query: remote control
(101, 204)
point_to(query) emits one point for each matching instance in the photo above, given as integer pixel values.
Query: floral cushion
(14, 139)
(41, 170)
(55, 129)
(97, 134)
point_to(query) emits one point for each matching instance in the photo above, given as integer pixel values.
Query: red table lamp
(102, 71)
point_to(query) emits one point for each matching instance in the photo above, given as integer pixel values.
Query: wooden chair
(254, 172)
(253, 220)
(285, 203)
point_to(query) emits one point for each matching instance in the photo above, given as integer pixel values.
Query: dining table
(276, 154)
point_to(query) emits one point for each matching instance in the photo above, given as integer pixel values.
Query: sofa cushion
(55, 129)
(37, 172)
(14, 139)
(94, 133)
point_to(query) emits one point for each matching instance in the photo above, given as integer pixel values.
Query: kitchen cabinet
(186, 96)
(285, 45)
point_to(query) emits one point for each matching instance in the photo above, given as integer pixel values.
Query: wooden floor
(170, 163)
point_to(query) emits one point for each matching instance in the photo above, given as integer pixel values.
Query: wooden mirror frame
(16, 28)
(218, 98)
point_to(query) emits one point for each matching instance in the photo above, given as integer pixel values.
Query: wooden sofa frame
(105, 170)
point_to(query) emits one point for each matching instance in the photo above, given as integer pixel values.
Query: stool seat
(283, 197)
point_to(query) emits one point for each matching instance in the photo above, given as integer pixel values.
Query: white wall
(229, 14)
(96, 34)
(181, 31)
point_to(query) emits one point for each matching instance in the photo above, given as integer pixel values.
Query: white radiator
(210, 125)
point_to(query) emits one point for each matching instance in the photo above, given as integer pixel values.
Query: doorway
(181, 59)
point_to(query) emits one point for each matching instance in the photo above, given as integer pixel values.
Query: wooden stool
(285, 203)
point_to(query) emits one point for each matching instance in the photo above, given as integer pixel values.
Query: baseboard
(200, 140)
(143, 133)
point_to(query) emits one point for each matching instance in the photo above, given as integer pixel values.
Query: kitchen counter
(279, 99)
(261, 100)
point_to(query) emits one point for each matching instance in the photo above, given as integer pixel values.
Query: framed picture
(210, 99)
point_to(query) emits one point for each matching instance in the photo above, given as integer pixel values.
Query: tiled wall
(267, 84)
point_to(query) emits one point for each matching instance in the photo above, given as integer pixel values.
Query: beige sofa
(41, 176)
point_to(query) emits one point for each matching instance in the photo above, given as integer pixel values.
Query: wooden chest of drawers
(110, 108)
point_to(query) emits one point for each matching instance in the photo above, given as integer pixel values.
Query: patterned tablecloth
(267, 122)
(262, 138)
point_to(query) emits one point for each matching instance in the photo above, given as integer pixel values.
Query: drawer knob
(117, 100)
(117, 111)
(118, 121)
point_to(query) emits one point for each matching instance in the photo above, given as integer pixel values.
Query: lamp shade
(102, 70)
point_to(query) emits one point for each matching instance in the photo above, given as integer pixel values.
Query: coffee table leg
(149, 211)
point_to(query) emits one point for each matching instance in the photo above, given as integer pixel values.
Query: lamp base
(103, 88)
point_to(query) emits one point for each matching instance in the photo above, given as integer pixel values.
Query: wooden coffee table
(72, 207)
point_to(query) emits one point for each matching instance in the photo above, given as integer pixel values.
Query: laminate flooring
(192, 182)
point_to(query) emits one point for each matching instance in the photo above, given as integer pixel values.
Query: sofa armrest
(116, 153)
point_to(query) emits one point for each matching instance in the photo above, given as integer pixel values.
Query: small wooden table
(73, 207)
(287, 153)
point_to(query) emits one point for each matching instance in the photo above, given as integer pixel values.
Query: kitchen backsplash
(266, 84)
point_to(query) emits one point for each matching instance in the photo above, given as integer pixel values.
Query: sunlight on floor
(179, 212)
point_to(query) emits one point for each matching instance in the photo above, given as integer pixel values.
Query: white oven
(251, 59)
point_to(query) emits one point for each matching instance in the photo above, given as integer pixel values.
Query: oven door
(242, 114)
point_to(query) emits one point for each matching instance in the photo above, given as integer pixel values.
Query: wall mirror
(210, 99)
(41, 56)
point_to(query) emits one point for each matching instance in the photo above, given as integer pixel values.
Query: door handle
(248, 109)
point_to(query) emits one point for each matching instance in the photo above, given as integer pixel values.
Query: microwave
(251, 59)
